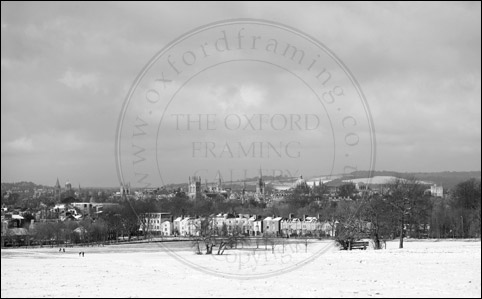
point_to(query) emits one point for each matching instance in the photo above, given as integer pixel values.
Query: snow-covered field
(424, 268)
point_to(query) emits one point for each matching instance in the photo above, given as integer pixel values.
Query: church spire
(58, 189)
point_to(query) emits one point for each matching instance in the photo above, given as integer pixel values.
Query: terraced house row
(164, 224)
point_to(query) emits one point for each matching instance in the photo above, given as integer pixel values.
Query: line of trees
(208, 235)
(114, 222)
(56, 233)
(407, 210)
(404, 210)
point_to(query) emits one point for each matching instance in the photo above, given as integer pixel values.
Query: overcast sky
(66, 70)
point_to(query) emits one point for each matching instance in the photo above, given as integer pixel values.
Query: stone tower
(194, 187)
(260, 187)
(57, 190)
(68, 188)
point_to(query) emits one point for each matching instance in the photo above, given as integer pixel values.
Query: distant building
(194, 187)
(216, 189)
(260, 187)
(437, 191)
(155, 223)
(280, 196)
(176, 226)
(188, 226)
(272, 226)
(166, 228)
(125, 189)
(291, 226)
(93, 209)
(69, 192)
(255, 225)
(68, 186)
(85, 208)
(13, 232)
(57, 190)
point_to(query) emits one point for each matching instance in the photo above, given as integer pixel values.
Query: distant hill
(21, 186)
(447, 179)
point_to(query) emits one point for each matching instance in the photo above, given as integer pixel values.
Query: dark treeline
(405, 210)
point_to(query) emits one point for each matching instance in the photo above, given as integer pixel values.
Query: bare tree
(378, 212)
(403, 196)
(209, 235)
(204, 234)
(230, 239)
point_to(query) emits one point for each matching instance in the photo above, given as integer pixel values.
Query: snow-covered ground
(424, 268)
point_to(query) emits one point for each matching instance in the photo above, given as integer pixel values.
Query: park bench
(357, 245)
